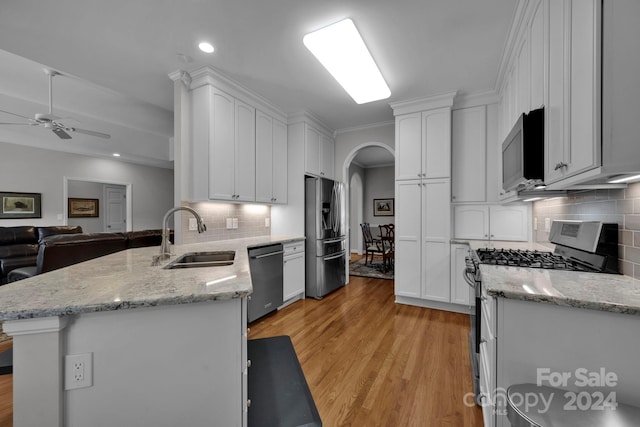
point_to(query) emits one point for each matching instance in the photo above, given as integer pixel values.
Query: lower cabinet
(423, 272)
(293, 271)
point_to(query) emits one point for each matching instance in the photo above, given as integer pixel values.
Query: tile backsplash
(621, 206)
(250, 218)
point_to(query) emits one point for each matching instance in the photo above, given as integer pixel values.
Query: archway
(347, 185)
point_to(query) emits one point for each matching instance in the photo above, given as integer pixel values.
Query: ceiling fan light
(206, 47)
(341, 50)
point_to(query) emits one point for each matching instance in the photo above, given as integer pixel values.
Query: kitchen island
(574, 331)
(157, 347)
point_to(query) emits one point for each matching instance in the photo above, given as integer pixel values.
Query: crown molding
(475, 99)
(365, 127)
(311, 119)
(423, 104)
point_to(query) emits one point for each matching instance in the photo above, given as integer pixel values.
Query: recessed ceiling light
(116, 154)
(341, 50)
(206, 47)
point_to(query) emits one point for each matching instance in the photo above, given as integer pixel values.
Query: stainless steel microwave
(523, 152)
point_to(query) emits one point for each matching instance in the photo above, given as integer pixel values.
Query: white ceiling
(121, 52)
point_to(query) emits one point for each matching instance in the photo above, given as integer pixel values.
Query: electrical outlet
(193, 225)
(267, 222)
(229, 223)
(78, 371)
(235, 222)
(547, 225)
(535, 223)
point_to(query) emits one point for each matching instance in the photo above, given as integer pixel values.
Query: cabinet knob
(248, 363)
(492, 235)
(419, 174)
(486, 235)
(453, 197)
(560, 166)
(248, 403)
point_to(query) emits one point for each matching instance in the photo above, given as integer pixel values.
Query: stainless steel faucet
(165, 252)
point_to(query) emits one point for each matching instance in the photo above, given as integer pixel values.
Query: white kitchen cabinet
(491, 222)
(422, 239)
(573, 116)
(223, 147)
(293, 271)
(319, 153)
(271, 159)
(469, 154)
(423, 144)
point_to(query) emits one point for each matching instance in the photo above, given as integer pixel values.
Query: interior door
(115, 208)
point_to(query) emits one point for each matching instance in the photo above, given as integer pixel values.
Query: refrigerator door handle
(326, 242)
(341, 254)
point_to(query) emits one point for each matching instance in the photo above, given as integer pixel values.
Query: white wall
(88, 190)
(379, 183)
(35, 170)
(347, 141)
(356, 202)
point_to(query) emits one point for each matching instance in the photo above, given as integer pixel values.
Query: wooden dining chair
(387, 246)
(371, 245)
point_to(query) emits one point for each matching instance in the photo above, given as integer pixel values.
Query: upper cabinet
(469, 154)
(572, 141)
(319, 153)
(271, 159)
(423, 144)
(238, 152)
(574, 58)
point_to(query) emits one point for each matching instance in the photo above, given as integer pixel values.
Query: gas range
(530, 259)
(585, 246)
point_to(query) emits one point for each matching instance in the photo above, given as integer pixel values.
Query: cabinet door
(436, 235)
(201, 99)
(523, 68)
(222, 152)
(293, 276)
(280, 162)
(408, 238)
(264, 157)
(460, 290)
(584, 153)
(409, 146)
(537, 43)
(509, 222)
(436, 143)
(471, 222)
(245, 155)
(469, 148)
(312, 151)
(326, 157)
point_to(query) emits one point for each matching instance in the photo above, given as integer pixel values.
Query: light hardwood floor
(371, 362)
(368, 361)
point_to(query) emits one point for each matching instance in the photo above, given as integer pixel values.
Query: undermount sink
(202, 259)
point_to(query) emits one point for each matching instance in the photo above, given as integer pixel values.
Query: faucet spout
(165, 252)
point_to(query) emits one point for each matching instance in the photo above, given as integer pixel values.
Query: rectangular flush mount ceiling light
(343, 53)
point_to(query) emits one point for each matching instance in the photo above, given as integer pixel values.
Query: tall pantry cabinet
(423, 196)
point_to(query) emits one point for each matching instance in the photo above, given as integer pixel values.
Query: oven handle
(470, 280)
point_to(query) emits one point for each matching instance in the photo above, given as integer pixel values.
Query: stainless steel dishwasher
(265, 267)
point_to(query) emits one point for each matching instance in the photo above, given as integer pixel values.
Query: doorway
(114, 204)
(369, 173)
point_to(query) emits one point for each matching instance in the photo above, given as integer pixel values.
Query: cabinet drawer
(293, 248)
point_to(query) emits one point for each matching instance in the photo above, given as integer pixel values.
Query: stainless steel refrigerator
(325, 232)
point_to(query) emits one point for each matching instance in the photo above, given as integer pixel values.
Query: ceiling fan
(50, 121)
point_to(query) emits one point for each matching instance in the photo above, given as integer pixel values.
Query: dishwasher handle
(267, 255)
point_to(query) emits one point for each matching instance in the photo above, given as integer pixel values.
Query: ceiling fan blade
(61, 133)
(90, 132)
(17, 115)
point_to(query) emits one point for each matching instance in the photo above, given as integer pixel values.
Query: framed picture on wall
(83, 208)
(383, 207)
(20, 205)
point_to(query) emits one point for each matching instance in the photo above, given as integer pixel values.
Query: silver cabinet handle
(560, 166)
(267, 255)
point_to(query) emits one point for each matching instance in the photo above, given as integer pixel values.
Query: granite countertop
(126, 280)
(597, 291)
